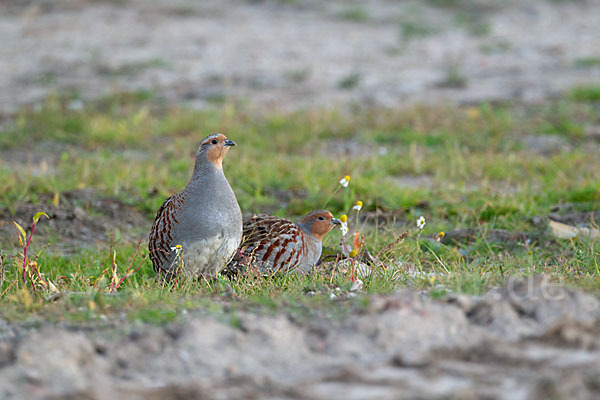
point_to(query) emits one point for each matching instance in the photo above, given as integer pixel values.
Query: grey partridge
(273, 244)
(198, 230)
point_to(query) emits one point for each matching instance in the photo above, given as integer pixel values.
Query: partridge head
(273, 244)
(197, 230)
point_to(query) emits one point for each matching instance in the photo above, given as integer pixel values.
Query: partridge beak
(335, 221)
(229, 142)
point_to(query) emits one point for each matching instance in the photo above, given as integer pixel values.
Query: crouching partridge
(198, 230)
(274, 244)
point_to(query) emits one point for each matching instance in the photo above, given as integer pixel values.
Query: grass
(455, 79)
(131, 68)
(586, 93)
(134, 148)
(495, 47)
(413, 24)
(587, 62)
(354, 14)
(410, 29)
(350, 81)
(473, 22)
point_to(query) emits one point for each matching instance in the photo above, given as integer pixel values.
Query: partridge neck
(307, 230)
(204, 171)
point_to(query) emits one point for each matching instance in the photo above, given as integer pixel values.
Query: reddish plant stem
(127, 275)
(25, 252)
(112, 255)
(37, 271)
(39, 276)
(2, 270)
(130, 271)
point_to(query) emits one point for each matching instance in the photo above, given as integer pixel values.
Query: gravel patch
(296, 54)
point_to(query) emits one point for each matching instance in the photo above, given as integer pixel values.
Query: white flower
(176, 249)
(358, 206)
(421, 222)
(344, 181)
(344, 228)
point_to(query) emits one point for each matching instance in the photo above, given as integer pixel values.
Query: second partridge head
(318, 223)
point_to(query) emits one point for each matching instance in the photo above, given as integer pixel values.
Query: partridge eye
(215, 141)
(321, 219)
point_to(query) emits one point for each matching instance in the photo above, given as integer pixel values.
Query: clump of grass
(410, 29)
(413, 24)
(586, 93)
(495, 47)
(354, 14)
(350, 81)
(445, 3)
(2, 270)
(587, 62)
(132, 67)
(454, 78)
(473, 22)
(115, 281)
(298, 75)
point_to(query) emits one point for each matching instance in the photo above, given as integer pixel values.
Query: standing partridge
(198, 230)
(274, 244)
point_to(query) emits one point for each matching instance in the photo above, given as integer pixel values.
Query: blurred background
(291, 54)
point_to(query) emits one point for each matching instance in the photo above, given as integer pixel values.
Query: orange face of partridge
(217, 147)
(320, 223)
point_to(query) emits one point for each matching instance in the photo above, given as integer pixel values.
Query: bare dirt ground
(81, 219)
(527, 340)
(523, 341)
(291, 54)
